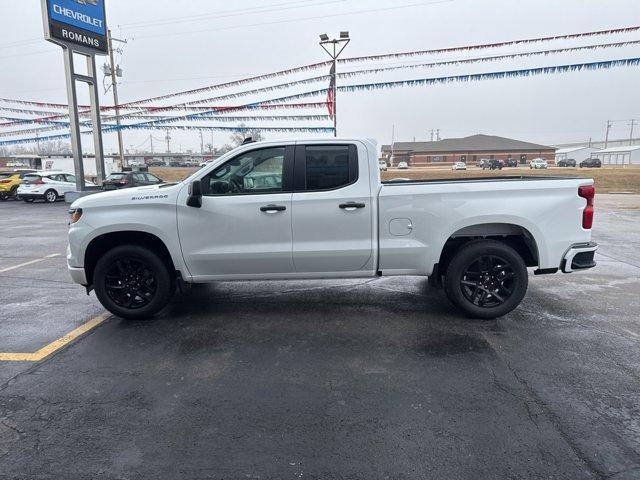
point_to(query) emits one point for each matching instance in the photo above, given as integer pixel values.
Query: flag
(330, 92)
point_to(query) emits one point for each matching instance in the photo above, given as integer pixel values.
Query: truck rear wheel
(486, 279)
(132, 282)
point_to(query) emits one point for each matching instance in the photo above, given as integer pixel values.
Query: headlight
(75, 213)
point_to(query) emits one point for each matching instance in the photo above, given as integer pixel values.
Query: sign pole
(74, 124)
(95, 118)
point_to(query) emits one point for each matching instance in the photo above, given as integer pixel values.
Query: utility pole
(606, 137)
(431, 134)
(151, 140)
(115, 71)
(168, 139)
(437, 135)
(393, 141)
(631, 132)
(337, 46)
(201, 144)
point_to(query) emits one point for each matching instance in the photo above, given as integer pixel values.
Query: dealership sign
(78, 24)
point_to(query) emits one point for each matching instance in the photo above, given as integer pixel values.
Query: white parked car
(316, 208)
(382, 165)
(403, 165)
(538, 163)
(459, 166)
(47, 185)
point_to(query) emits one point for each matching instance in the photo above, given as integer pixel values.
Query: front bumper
(579, 257)
(78, 275)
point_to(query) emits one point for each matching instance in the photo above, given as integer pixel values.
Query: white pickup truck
(317, 209)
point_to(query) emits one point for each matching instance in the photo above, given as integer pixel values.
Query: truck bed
(431, 211)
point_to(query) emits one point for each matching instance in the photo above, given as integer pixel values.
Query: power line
(229, 13)
(277, 22)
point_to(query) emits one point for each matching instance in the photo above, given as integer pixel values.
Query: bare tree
(238, 137)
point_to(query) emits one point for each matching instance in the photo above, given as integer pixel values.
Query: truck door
(243, 227)
(331, 211)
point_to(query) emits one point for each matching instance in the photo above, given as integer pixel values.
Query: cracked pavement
(374, 378)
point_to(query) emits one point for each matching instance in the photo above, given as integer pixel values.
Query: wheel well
(517, 237)
(102, 244)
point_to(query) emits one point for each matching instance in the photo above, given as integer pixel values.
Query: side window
(329, 167)
(70, 178)
(152, 178)
(257, 171)
(139, 177)
(57, 177)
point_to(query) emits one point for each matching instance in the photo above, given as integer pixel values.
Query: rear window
(116, 176)
(5, 175)
(32, 178)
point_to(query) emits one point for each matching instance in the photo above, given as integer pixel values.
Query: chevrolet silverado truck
(318, 209)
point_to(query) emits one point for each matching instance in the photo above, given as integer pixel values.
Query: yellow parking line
(56, 344)
(53, 255)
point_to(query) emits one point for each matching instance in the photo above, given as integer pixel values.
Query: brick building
(467, 149)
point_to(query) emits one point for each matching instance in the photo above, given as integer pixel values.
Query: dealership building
(467, 149)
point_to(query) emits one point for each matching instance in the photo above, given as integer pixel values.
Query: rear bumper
(31, 196)
(579, 257)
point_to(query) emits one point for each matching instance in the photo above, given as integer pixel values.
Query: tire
(486, 295)
(13, 194)
(132, 282)
(3, 196)
(50, 196)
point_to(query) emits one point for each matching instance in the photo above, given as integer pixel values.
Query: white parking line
(53, 255)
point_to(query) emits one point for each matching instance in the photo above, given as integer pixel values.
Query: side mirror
(195, 194)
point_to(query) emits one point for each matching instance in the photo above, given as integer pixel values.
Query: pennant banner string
(351, 60)
(162, 124)
(190, 105)
(268, 118)
(570, 36)
(488, 59)
(220, 109)
(172, 127)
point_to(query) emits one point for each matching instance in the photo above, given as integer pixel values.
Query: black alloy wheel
(486, 279)
(133, 282)
(130, 283)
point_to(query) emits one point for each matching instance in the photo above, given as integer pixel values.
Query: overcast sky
(180, 45)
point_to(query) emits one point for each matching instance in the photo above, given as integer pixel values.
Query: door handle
(273, 208)
(351, 205)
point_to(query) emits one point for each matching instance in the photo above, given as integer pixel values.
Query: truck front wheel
(486, 279)
(132, 282)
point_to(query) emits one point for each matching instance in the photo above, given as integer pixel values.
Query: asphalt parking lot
(319, 379)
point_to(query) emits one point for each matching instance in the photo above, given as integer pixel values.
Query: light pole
(334, 48)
